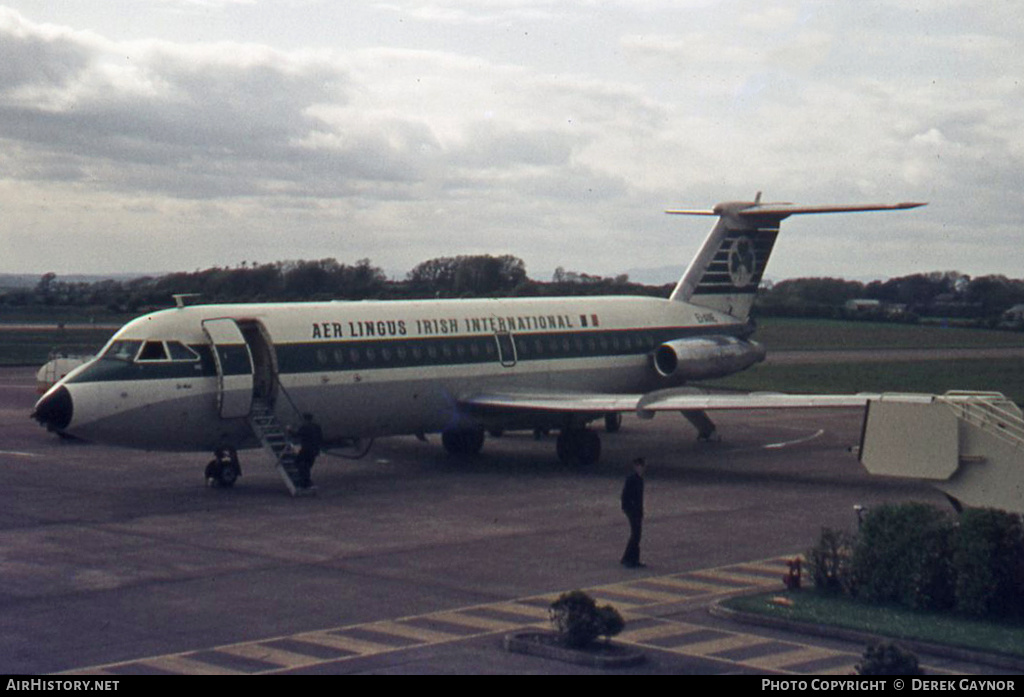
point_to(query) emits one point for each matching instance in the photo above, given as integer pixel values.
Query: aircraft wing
(664, 400)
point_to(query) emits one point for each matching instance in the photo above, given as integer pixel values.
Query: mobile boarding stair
(969, 445)
(274, 437)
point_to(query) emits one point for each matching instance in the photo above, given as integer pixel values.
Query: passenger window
(153, 351)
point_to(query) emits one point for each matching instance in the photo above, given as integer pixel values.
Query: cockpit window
(123, 350)
(153, 351)
(181, 352)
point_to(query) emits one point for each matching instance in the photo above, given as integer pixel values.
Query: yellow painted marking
(769, 566)
(736, 641)
(545, 599)
(654, 597)
(411, 632)
(740, 577)
(848, 669)
(618, 603)
(658, 631)
(790, 657)
(259, 652)
(344, 643)
(484, 623)
(527, 611)
(700, 584)
(185, 666)
(90, 671)
(688, 584)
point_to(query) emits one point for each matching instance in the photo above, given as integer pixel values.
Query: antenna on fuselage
(181, 298)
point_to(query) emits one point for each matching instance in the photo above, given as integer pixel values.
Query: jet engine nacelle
(706, 357)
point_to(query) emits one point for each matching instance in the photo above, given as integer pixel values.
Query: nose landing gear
(223, 470)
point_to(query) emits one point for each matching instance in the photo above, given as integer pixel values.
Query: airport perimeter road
(829, 356)
(410, 561)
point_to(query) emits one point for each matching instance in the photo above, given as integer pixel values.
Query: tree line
(981, 300)
(324, 279)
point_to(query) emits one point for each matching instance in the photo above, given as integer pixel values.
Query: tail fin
(727, 270)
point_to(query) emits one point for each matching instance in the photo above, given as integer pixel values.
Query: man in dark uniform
(633, 507)
(311, 437)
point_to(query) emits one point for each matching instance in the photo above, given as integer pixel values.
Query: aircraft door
(506, 348)
(234, 367)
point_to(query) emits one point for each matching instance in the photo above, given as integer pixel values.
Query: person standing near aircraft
(311, 438)
(633, 507)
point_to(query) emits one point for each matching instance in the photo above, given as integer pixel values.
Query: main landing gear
(223, 470)
(706, 430)
(576, 445)
(463, 441)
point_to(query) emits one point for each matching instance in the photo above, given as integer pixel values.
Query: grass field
(32, 346)
(933, 377)
(1004, 375)
(885, 620)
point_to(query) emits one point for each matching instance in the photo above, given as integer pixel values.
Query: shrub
(887, 658)
(829, 561)
(579, 621)
(988, 561)
(903, 555)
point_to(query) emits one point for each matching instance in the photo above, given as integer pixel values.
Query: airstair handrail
(990, 411)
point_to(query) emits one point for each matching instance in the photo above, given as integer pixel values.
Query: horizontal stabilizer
(729, 267)
(787, 209)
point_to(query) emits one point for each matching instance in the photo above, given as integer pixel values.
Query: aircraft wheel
(612, 422)
(210, 475)
(222, 474)
(228, 475)
(578, 446)
(463, 441)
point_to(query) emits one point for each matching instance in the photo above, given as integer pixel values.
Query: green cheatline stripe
(380, 354)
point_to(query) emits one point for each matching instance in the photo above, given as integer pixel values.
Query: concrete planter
(598, 655)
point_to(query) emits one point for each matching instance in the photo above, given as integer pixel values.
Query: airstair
(969, 445)
(273, 436)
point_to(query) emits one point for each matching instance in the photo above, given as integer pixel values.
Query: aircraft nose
(54, 410)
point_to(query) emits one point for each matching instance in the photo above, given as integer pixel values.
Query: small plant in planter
(579, 621)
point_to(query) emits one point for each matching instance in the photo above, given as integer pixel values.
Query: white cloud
(549, 130)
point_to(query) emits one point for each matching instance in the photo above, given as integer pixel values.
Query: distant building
(874, 308)
(863, 305)
(1013, 318)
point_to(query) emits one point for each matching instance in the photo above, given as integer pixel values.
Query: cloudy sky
(162, 135)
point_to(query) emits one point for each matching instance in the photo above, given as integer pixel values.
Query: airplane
(225, 377)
